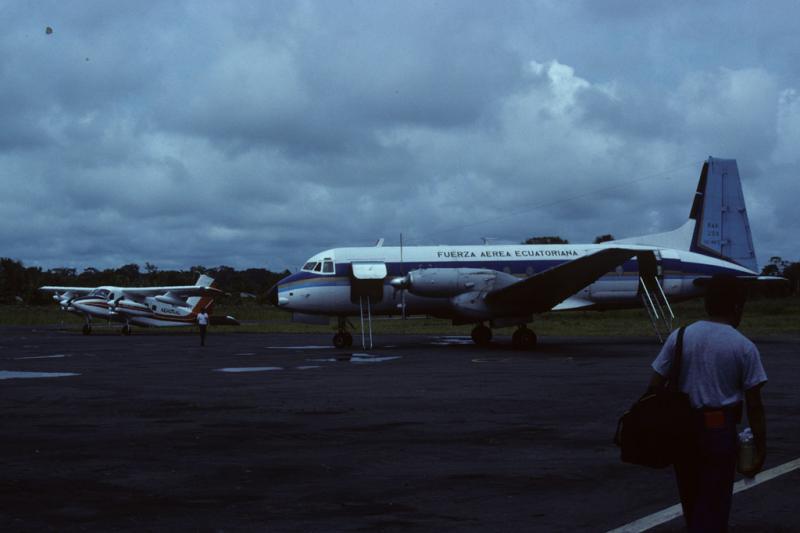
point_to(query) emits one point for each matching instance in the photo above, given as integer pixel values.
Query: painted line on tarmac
(250, 369)
(312, 347)
(11, 374)
(56, 356)
(673, 512)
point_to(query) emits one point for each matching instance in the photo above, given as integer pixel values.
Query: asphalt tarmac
(260, 432)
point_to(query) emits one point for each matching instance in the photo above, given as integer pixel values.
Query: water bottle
(747, 451)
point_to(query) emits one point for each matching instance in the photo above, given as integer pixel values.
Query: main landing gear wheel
(523, 339)
(343, 339)
(481, 335)
(126, 330)
(87, 329)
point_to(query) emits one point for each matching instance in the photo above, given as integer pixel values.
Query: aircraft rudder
(722, 228)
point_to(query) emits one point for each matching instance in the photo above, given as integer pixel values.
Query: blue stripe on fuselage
(671, 267)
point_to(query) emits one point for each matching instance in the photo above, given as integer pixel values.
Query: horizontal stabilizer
(223, 320)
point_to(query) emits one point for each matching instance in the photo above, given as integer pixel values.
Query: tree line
(20, 284)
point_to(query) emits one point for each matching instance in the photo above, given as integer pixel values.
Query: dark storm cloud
(254, 133)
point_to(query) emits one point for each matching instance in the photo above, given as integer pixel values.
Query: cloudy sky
(254, 134)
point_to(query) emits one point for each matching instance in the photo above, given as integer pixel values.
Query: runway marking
(451, 341)
(9, 374)
(357, 358)
(56, 356)
(245, 353)
(491, 360)
(362, 358)
(312, 347)
(250, 369)
(673, 512)
(307, 367)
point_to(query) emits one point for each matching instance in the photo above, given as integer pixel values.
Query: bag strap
(675, 368)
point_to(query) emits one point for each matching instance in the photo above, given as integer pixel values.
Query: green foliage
(779, 267)
(777, 316)
(603, 238)
(546, 240)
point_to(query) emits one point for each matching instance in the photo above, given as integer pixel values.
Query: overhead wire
(556, 202)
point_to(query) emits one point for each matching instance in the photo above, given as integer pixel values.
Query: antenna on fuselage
(402, 273)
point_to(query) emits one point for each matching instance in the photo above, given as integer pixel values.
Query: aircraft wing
(77, 291)
(548, 288)
(182, 291)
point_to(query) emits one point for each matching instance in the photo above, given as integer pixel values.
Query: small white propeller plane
(141, 306)
(505, 285)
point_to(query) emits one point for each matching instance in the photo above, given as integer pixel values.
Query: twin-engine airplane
(141, 306)
(506, 285)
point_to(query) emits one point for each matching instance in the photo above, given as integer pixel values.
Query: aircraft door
(649, 269)
(671, 272)
(663, 266)
(366, 281)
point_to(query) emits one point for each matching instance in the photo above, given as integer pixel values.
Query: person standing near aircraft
(202, 322)
(720, 368)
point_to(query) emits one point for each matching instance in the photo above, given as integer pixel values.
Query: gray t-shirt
(718, 365)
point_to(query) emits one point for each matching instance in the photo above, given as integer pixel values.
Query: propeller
(64, 299)
(113, 307)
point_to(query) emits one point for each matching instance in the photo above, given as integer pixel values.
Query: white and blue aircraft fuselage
(505, 285)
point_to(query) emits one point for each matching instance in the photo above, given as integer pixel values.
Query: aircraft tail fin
(204, 281)
(718, 224)
(721, 227)
(196, 303)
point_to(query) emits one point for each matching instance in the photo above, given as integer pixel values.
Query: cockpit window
(325, 266)
(99, 293)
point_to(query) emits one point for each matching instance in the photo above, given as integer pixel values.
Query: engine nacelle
(125, 305)
(65, 299)
(446, 282)
(171, 299)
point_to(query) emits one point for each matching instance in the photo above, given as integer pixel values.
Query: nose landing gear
(481, 335)
(524, 339)
(343, 338)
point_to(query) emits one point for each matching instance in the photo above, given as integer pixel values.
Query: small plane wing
(182, 291)
(74, 290)
(548, 288)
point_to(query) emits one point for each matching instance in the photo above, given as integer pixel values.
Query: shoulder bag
(658, 428)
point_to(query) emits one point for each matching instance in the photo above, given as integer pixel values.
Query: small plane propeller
(113, 307)
(64, 300)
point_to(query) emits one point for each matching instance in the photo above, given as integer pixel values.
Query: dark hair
(725, 295)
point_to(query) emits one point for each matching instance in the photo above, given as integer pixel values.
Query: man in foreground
(720, 369)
